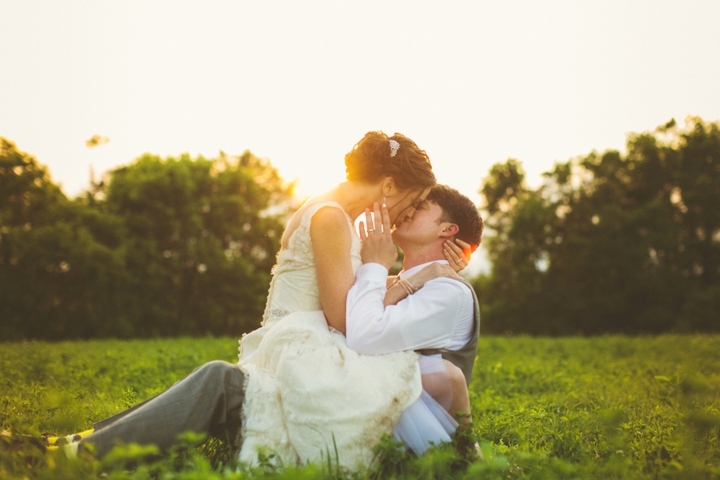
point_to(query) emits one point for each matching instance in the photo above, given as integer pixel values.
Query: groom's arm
(425, 319)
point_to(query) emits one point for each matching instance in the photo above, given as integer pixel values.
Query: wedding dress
(307, 394)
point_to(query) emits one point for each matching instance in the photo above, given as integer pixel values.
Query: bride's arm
(457, 253)
(397, 291)
(331, 242)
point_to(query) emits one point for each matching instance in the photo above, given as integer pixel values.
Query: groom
(440, 318)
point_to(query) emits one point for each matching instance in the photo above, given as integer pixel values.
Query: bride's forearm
(399, 289)
(394, 294)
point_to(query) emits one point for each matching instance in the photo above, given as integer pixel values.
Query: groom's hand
(377, 243)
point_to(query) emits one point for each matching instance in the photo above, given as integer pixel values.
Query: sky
(299, 83)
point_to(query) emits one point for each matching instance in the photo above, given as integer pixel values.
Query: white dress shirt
(438, 315)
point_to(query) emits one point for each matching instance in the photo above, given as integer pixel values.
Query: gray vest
(464, 358)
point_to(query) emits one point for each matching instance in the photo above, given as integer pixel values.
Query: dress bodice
(294, 286)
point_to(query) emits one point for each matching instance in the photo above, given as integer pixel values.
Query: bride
(307, 394)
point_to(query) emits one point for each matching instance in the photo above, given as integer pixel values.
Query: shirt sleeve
(425, 319)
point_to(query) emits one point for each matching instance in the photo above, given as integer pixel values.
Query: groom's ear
(449, 230)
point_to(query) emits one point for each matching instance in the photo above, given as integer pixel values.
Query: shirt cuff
(373, 271)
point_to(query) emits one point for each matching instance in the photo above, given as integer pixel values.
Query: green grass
(606, 407)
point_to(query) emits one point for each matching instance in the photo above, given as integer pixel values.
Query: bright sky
(472, 82)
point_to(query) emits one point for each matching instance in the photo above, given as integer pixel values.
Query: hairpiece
(394, 145)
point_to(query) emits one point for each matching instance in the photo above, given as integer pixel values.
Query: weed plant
(603, 407)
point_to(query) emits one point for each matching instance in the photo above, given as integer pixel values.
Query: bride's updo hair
(371, 160)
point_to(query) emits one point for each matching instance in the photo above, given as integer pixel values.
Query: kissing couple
(345, 353)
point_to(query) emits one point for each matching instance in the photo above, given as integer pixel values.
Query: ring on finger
(370, 230)
(459, 260)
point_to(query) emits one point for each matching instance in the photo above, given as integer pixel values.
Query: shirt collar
(417, 268)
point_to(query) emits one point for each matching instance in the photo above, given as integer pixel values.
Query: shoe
(71, 449)
(478, 452)
(53, 442)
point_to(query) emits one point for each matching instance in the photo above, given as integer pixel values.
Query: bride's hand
(457, 254)
(432, 271)
(377, 243)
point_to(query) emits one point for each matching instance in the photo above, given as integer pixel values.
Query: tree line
(608, 243)
(162, 247)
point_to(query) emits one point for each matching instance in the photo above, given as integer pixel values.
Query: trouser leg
(209, 400)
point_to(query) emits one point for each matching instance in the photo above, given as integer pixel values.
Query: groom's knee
(219, 371)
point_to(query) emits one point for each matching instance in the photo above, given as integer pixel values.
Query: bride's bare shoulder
(297, 217)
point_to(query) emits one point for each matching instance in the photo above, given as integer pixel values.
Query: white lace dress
(307, 393)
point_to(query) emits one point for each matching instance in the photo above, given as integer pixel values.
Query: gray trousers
(209, 400)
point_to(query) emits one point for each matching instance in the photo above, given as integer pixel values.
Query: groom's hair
(460, 210)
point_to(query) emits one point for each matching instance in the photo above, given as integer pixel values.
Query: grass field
(606, 407)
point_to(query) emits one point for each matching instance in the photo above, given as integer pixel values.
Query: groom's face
(405, 204)
(422, 228)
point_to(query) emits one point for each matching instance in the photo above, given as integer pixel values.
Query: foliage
(604, 407)
(609, 243)
(161, 247)
(201, 240)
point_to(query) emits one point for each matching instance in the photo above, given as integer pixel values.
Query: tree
(175, 246)
(59, 260)
(202, 236)
(609, 243)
